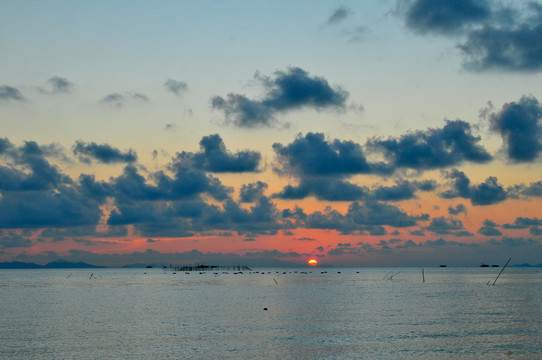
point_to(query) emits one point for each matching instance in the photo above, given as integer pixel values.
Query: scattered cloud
(458, 209)
(176, 87)
(487, 193)
(119, 100)
(490, 35)
(433, 148)
(58, 85)
(445, 17)
(339, 15)
(10, 93)
(520, 125)
(103, 153)
(215, 158)
(285, 91)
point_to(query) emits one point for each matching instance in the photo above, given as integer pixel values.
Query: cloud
(460, 208)
(338, 15)
(444, 16)
(487, 193)
(511, 46)
(59, 208)
(103, 153)
(287, 90)
(8, 93)
(523, 223)
(312, 155)
(514, 242)
(402, 190)
(520, 125)
(534, 189)
(215, 158)
(10, 239)
(59, 85)
(489, 228)
(185, 183)
(491, 35)
(433, 148)
(360, 217)
(442, 225)
(119, 100)
(252, 192)
(30, 169)
(176, 87)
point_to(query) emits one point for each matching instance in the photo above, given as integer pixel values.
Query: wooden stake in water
(423, 276)
(501, 271)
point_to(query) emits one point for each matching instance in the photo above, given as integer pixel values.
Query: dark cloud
(534, 189)
(489, 228)
(338, 15)
(119, 100)
(287, 90)
(361, 217)
(523, 223)
(520, 125)
(338, 190)
(10, 239)
(460, 208)
(492, 35)
(312, 155)
(487, 193)
(59, 85)
(252, 192)
(215, 158)
(433, 148)
(103, 153)
(176, 87)
(8, 93)
(185, 183)
(402, 190)
(514, 242)
(442, 225)
(62, 207)
(30, 169)
(511, 45)
(445, 16)
(323, 189)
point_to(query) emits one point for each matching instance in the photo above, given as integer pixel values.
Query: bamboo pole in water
(501, 271)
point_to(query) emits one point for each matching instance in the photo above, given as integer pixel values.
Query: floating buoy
(265, 309)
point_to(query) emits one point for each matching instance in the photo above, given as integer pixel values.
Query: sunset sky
(358, 133)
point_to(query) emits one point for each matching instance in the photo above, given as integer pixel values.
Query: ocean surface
(316, 313)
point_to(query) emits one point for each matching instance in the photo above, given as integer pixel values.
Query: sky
(358, 133)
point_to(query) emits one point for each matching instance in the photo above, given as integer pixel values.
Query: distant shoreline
(63, 264)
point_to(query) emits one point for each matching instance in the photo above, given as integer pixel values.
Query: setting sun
(313, 262)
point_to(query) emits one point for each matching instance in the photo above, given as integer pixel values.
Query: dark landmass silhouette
(57, 264)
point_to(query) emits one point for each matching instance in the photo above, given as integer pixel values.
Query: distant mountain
(19, 265)
(57, 264)
(527, 265)
(63, 264)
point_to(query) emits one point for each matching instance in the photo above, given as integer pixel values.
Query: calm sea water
(354, 314)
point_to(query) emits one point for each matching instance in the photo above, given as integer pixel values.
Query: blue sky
(333, 108)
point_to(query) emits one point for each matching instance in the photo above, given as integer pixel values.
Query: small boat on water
(443, 265)
(484, 265)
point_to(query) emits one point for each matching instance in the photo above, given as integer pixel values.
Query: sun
(313, 262)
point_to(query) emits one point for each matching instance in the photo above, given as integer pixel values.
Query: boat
(443, 265)
(484, 265)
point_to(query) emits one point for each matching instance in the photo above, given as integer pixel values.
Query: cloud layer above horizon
(183, 157)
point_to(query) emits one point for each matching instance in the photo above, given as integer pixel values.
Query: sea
(301, 313)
